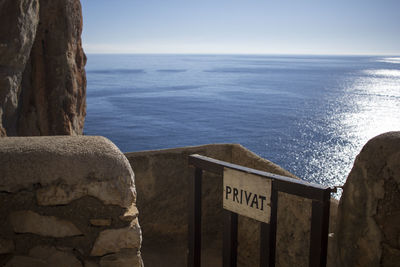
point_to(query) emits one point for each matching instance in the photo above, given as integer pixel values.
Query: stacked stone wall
(67, 201)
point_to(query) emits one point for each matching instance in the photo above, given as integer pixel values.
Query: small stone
(114, 240)
(27, 221)
(6, 246)
(100, 222)
(130, 214)
(24, 261)
(127, 258)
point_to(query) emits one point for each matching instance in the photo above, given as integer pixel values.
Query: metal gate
(320, 196)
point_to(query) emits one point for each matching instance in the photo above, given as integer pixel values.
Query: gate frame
(319, 194)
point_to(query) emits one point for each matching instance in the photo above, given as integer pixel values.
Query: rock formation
(368, 226)
(42, 76)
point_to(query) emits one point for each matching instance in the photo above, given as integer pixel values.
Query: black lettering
(262, 201)
(241, 195)
(255, 201)
(228, 190)
(247, 197)
(235, 194)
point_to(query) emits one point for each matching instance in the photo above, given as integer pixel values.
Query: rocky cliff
(42, 76)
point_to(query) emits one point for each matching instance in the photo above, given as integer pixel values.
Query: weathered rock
(368, 227)
(25, 261)
(42, 77)
(18, 23)
(114, 240)
(126, 258)
(75, 166)
(100, 222)
(27, 221)
(54, 257)
(54, 82)
(6, 246)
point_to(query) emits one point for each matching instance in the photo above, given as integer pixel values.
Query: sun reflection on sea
(376, 100)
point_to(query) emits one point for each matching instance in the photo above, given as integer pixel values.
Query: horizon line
(242, 54)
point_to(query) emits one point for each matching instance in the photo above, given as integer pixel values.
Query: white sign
(247, 194)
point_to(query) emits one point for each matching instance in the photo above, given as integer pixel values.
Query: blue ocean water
(309, 114)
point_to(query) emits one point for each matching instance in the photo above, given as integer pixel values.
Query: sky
(366, 27)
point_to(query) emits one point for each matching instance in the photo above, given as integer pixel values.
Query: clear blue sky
(242, 26)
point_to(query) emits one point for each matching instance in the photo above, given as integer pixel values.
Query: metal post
(319, 231)
(230, 239)
(194, 225)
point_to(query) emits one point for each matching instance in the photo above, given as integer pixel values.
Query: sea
(309, 114)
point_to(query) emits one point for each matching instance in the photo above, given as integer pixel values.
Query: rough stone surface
(369, 210)
(162, 178)
(73, 164)
(42, 77)
(6, 246)
(30, 222)
(18, 24)
(114, 240)
(64, 194)
(126, 258)
(55, 257)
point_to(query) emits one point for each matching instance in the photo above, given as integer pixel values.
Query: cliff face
(42, 76)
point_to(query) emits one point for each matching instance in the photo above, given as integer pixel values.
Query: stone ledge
(64, 162)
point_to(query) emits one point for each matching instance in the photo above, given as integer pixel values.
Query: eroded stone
(114, 240)
(27, 221)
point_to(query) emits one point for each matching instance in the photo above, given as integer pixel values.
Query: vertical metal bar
(230, 239)
(319, 231)
(268, 232)
(194, 225)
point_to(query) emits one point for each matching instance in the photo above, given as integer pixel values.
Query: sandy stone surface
(30, 222)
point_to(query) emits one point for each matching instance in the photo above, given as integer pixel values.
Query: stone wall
(67, 201)
(42, 76)
(368, 227)
(162, 182)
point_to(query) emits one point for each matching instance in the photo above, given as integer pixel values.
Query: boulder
(368, 226)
